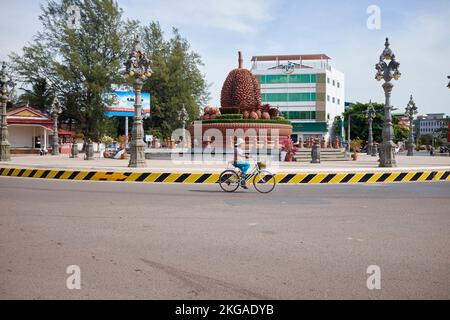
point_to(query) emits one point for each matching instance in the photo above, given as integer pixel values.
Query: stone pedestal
(89, 151)
(74, 151)
(315, 152)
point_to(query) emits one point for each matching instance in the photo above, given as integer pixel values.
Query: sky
(419, 33)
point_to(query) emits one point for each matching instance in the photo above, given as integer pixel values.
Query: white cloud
(421, 46)
(217, 29)
(243, 16)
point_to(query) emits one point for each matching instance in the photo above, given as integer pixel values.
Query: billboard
(121, 103)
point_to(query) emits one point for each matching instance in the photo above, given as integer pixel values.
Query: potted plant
(355, 146)
(122, 143)
(106, 140)
(290, 150)
(155, 133)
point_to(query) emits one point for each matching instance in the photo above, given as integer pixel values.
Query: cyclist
(239, 163)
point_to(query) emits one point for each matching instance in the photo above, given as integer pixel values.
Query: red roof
(319, 56)
(28, 115)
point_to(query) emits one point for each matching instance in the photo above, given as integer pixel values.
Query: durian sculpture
(241, 95)
(241, 90)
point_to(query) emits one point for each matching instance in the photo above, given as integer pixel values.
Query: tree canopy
(79, 64)
(359, 126)
(176, 79)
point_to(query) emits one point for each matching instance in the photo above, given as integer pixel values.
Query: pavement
(147, 241)
(364, 163)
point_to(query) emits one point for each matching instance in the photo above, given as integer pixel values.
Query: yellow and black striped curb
(211, 178)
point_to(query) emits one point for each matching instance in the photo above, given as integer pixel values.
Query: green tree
(425, 139)
(359, 126)
(176, 79)
(78, 63)
(40, 95)
(400, 133)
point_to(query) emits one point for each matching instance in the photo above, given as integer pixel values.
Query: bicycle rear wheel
(264, 181)
(229, 181)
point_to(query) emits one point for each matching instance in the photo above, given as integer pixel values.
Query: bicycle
(263, 180)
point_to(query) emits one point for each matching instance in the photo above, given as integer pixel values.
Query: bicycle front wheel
(264, 181)
(229, 181)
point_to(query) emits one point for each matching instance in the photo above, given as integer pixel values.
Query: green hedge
(280, 121)
(230, 110)
(230, 116)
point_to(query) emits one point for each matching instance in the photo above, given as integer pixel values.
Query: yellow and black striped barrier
(211, 178)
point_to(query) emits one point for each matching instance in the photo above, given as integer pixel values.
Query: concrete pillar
(315, 152)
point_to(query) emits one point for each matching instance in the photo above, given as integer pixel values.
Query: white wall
(23, 136)
(335, 109)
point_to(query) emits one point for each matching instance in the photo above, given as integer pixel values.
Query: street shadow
(215, 191)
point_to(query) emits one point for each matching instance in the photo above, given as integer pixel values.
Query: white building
(306, 88)
(430, 123)
(29, 129)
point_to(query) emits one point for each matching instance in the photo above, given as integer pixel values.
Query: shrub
(121, 140)
(279, 121)
(230, 116)
(107, 140)
(356, 144)
(274, 112)
(230, 110)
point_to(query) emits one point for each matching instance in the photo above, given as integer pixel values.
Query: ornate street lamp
(411, 111)
(387, 69)
(183, 116)
(55, 111)
(5, 95)
(448, 86)
(137, 68)
(370, 115)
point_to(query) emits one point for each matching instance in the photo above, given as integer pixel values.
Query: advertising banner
(121, 103)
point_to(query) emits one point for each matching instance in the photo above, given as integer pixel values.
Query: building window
(299, 115)
(287, 78)
(334, 83)
(328, 98)
(333, 100)
(339, 101)
(286, 97)
(328, 80)
(338, 85)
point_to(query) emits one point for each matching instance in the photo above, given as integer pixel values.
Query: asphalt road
(196, 242)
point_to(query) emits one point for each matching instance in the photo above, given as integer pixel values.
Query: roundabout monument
(241, 115)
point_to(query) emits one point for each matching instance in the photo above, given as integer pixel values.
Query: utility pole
(348, 133)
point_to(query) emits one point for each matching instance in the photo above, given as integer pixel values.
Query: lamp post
(411, 111)
(387, 69)
(183, 116)
(55, 111)
(137, 68)
(5, 83)
(370, 115)
(348, 133)
(448, 86)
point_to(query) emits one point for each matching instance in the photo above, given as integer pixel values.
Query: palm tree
(40, 95)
